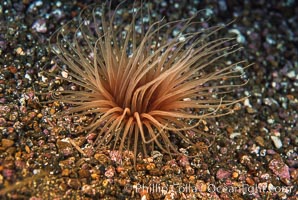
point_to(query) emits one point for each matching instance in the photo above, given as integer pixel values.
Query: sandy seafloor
(255, 157)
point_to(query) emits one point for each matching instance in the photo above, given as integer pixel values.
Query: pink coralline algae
(279, 168)
(223, 174)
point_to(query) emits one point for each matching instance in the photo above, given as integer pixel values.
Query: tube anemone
(142, 81)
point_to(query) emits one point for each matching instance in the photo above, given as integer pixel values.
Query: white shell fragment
(64, 74)
(276, 141)
(233, 135)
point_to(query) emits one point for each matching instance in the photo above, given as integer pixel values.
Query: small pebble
(249, 181)
(13, 69)
(234, 135)
(74, 183)
(20, 51)
(64, 74)
(201, 186)
(223, 174)
(7, 143)
(110, 172)
(276, 141)
(65, 172)
(84, 173)
(291, 74)
(150, 166)
(260, 141)
(40, 26)
(279, 168)
(65, 148)
(27, 149)
(105, 183)
(88, 190)
(235, 175)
